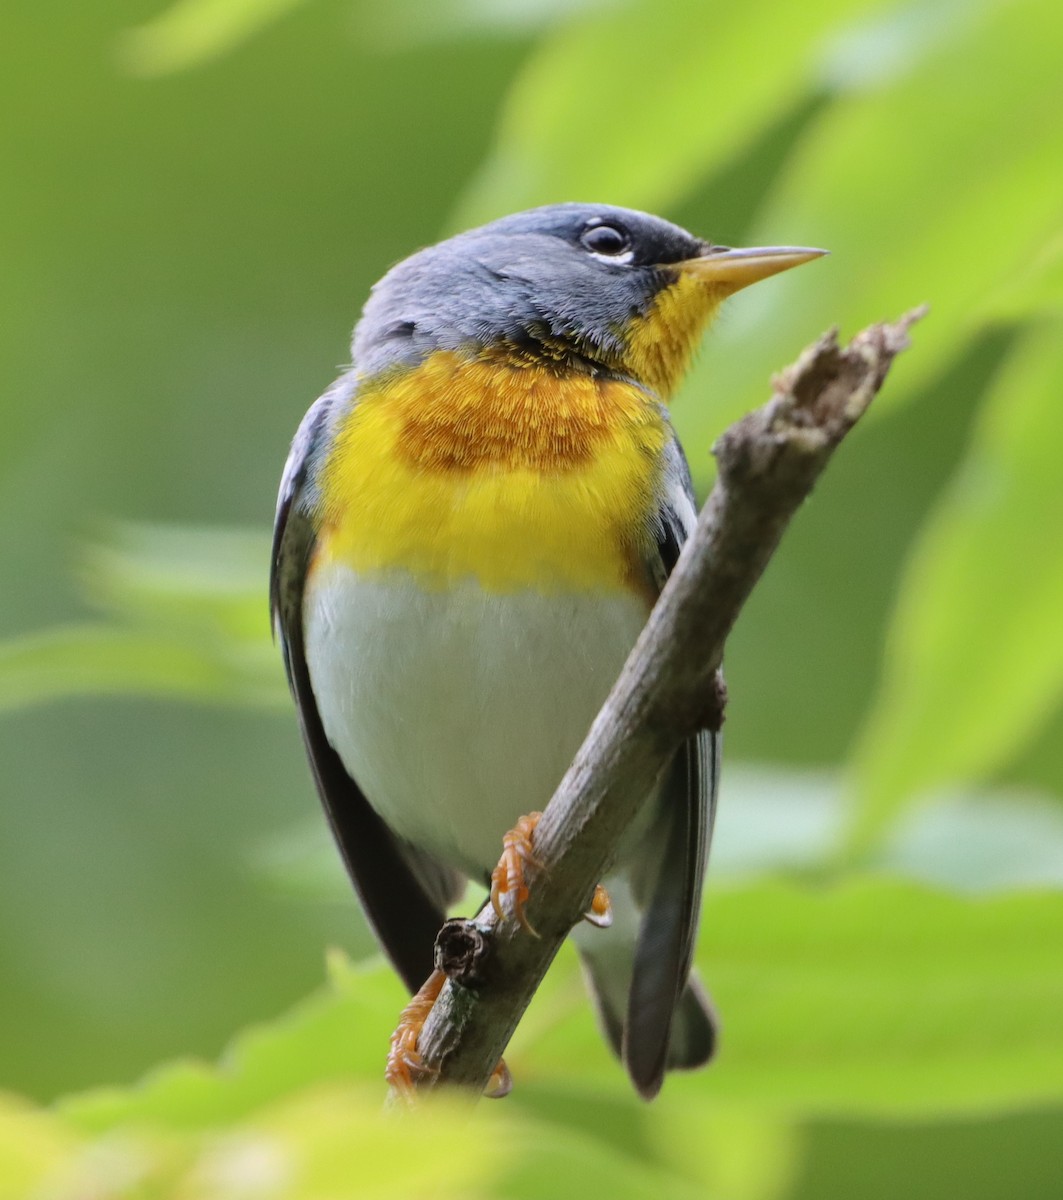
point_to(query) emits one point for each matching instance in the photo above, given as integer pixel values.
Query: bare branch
(768, 463)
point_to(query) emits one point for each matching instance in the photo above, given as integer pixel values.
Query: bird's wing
(672, 893)
(404, 892)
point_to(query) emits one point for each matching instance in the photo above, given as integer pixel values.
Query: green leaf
(926, 188)
(291, 1095)
(867, 998)
(778, 821)
(190, 621)
(636, 109)
(334, 1037)
(773, 821)
(974, 662)
(329, 1140)
(871, 997)
(192, 32)
(725, 1150)
(32, 1141)
(98, 660)
(405, 23)
(587, 1163)
(210, 580)
(1038, 289)
(880, 997)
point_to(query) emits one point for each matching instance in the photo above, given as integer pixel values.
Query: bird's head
(573, 284)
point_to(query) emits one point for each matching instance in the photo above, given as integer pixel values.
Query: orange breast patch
(505, 472)
(461, 415)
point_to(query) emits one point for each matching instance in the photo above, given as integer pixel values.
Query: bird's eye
(606, 239)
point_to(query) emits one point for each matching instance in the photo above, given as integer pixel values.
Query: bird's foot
(405, 1066)
(508, 876)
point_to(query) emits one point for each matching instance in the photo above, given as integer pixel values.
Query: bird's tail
(648, 1037)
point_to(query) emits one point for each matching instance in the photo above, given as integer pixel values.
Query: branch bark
(768, 463)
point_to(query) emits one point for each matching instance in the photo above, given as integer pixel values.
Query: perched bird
(473, 525)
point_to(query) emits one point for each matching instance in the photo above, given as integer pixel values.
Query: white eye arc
(608, 243)
(623, 258)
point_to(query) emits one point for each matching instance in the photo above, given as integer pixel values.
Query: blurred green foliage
(195, 200)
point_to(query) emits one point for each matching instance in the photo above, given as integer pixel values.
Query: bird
(473, 524)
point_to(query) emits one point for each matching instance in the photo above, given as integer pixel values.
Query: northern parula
(473, 525)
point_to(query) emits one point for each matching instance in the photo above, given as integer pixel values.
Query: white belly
(458, 710)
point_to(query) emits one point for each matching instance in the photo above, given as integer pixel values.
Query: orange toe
(501, 1082)
(600, 912)
(508, 877)
(405, 1067)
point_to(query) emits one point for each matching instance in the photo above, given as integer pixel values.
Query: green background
(194, 201)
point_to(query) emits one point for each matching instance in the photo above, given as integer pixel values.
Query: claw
(508, 876)
(501, 1082)
(600, 912)
(405, 1067)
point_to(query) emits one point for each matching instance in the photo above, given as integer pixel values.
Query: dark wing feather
(403, 891)
(655, 1036)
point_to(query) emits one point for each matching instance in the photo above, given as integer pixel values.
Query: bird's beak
(731, 270)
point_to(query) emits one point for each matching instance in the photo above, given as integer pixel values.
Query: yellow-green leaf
(974, 659)
(867, 997)
(909, 185)
(191, 32)
(634, 109)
